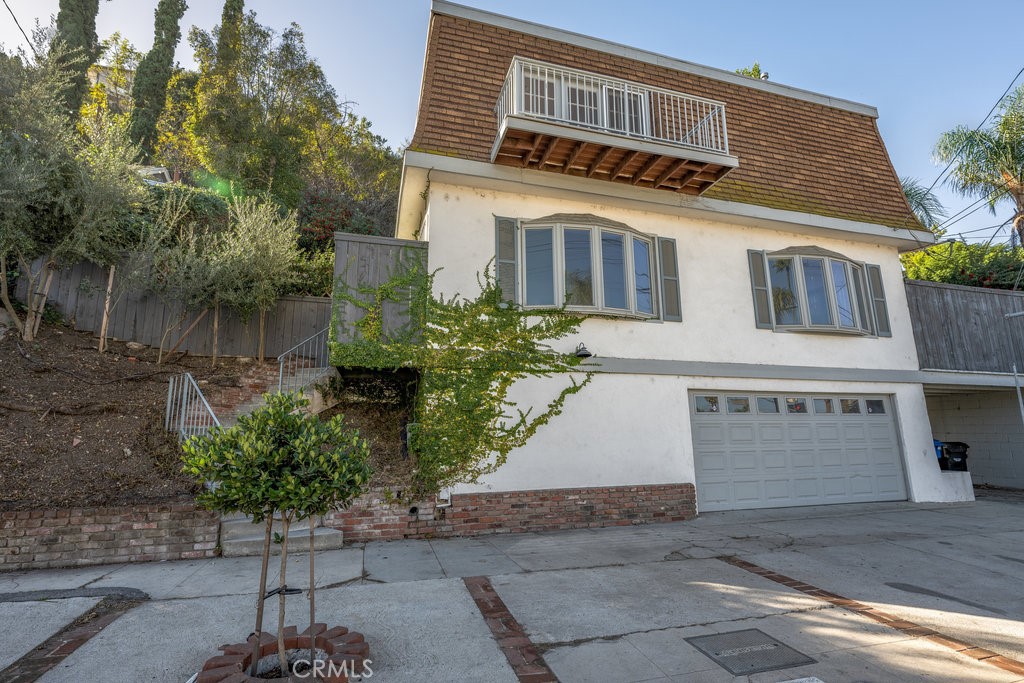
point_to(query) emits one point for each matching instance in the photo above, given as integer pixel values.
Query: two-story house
(734, 243)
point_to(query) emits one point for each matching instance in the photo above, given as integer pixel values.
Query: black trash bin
(955, 455)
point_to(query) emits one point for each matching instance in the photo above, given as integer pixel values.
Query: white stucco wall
(629, 429)
(718, 318)
(635, 429)
(989, 422)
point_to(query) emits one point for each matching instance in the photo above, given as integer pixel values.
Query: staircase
(240, 537)
(230, 402)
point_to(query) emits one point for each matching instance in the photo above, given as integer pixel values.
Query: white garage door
(762, 450)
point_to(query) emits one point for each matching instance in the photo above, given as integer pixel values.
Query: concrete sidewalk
(599, 604)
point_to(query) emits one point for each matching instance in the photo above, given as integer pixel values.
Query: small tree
(280, 461)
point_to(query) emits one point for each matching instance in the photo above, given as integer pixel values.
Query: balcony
(578, 123)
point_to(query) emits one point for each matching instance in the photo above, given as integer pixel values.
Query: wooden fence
(77, 292)
(962, 328)
(365, 261)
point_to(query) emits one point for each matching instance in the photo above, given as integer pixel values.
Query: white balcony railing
(539, 90)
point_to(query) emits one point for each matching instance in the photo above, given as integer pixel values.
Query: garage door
(761, 450)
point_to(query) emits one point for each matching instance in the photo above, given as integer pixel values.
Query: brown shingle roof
(794, 154)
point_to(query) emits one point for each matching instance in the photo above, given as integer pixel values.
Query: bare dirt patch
(78, 428)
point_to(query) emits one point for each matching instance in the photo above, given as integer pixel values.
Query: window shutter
(668, 267)
(505, 257)
(878, 305)
(759, 287)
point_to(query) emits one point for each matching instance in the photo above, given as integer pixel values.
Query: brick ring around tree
(346, 649)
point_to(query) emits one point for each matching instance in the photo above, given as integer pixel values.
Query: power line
(976, 129)
(18, 24)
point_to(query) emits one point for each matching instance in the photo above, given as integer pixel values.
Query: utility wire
(976, 129)
(18, 24)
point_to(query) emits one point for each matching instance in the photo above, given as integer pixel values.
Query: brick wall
(83, 536)
(372, 517)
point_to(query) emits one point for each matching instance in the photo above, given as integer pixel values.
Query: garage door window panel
(767, 405)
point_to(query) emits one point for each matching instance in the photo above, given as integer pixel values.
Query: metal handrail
(188, 412)
(304, 362)
(539, 90)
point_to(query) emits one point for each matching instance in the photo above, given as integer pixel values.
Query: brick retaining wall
(83, 536)
(371, 517)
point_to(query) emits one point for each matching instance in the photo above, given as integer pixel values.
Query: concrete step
(242, 527)
(298, 541)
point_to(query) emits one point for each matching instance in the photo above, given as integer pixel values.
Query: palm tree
(923, 202)
(989, 162)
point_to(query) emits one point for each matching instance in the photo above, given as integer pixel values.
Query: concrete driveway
(880, 592)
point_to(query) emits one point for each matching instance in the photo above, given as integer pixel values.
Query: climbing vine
(469, 353)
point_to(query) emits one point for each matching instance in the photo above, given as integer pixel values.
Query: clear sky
(926, 66)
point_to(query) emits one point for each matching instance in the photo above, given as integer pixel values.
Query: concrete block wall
(990, 422)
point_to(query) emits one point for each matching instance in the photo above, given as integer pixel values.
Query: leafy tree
(77, 45)
(989, 162)
(70, 196)
(257, 98)
(923, 202)
(353, 179)
(978, 265)
(149, 92)
(753, 72)
(175, 146)
(114, 73)
(280, 461)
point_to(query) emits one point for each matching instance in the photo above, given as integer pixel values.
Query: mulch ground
(80, 428)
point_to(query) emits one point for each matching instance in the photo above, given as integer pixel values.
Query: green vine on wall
(469, 353)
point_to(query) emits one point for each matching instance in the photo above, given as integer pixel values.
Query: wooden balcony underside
(546, 152)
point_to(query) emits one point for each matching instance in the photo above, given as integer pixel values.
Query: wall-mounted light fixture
(582, 352)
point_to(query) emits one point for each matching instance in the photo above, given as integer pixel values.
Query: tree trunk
(312, 596)
(267, 539)
(36, 301)
(183, 334)
(282, 654)
(6, 298)
(216, 332)
(106, 310)
(263, 331)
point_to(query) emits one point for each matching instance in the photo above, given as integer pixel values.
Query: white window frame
(596, 263)
(861, 302)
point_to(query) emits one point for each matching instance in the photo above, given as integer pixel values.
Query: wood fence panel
(78, 293)
(963, 328)
(363, 260)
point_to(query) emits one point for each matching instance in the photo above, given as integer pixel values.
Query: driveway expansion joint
(522, 654)
(909, 628)
(56, 648)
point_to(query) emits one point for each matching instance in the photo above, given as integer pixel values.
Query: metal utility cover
(748, 652)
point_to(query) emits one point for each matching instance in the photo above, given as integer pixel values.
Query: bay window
(587, 264)
(812, 289)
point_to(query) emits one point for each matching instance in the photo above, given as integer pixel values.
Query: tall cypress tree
(76, 34)
(230, 38)
(149, 92)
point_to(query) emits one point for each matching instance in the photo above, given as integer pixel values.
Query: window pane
(860, 295)
(616, 109)
(706, 404)
(767, 404)
(637, 115)
(874, 406)
(538, 93)
(613, 265)
(784, 292)
(579, 271)
(823, 406)
(642, 276)
(737, 404)
(581, 101)
(849, 406)
(540, 267)
(796, 406)
(817, 292)
(844, 295)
